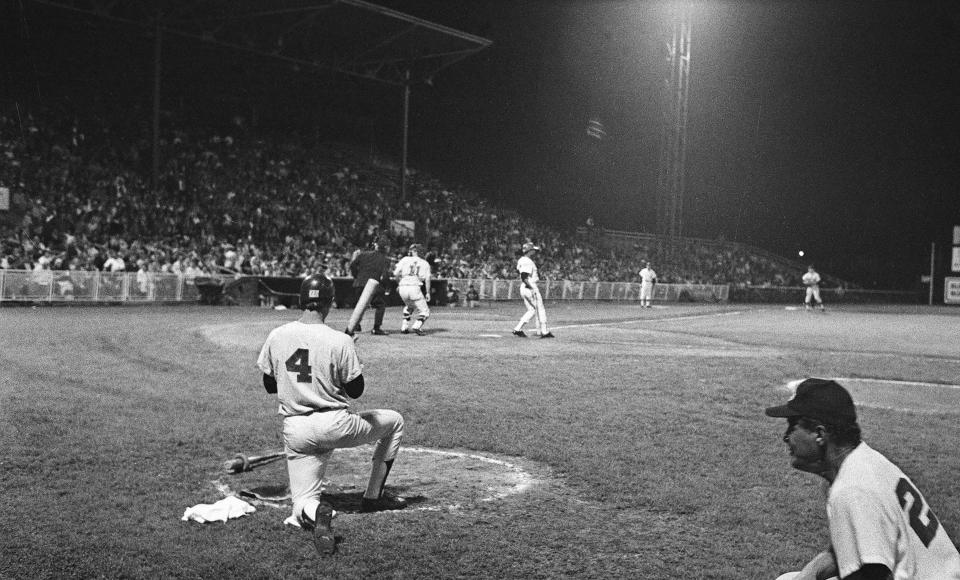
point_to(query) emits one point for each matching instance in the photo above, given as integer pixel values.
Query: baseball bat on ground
(242, 463)
(362, 303)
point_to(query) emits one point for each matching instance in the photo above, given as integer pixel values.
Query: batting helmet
(529, 246)
(316, 292)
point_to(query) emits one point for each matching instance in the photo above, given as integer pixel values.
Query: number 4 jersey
(877, 516)
(311, 363)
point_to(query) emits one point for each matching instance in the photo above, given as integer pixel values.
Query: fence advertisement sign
(951, 291)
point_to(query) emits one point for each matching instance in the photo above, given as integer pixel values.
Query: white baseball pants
(309, 441)
(534, 304)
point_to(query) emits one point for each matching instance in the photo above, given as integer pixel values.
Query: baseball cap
(530, 246)
(821, 399)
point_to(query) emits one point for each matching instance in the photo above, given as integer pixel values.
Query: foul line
(639, 320)
(842, 380)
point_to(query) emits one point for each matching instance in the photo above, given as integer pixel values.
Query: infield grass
(657, 461)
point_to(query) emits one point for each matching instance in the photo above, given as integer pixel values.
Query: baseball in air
(800, 253)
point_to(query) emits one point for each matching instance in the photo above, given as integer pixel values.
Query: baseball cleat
(404, 331)
(420, 332)
(548, 335)
(379, 332)
(348, 332)
(323, 538)
(520, 333)
(387, 502)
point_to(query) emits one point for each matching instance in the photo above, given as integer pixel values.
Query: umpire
(371, 264)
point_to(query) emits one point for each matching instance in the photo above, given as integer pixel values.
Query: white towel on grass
(221, 511)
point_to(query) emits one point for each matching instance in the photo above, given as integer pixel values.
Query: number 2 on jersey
(299, 362)
(925, 531)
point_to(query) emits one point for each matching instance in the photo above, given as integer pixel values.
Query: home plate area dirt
(430, 479)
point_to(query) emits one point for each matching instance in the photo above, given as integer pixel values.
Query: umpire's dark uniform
(372, 264)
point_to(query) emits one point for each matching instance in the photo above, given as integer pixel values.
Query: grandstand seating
(234, 202)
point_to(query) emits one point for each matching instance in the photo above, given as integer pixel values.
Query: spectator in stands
(114, 262)
(226, 199)
(453, 296)
(473, 297)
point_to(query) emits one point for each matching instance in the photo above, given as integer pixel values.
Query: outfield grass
(643, 428)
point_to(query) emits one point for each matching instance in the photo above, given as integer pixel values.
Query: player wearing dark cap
(880, 525)
(371, 272)
(315, 372)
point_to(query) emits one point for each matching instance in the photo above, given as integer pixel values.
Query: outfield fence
(570, 290)
(140, 287)
(93, 286)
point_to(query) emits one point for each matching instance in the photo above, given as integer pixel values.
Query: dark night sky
(828, 126)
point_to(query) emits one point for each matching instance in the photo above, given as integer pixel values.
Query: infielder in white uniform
(881, 527)
(812, 281)
(648, 279)
(531, 293)
(413, 286)
(314, 371)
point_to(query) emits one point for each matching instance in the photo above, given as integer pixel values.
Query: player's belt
(324, 410)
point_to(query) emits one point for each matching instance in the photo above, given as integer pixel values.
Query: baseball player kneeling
(315, 371)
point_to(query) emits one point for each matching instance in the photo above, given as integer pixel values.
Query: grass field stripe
(639, 320)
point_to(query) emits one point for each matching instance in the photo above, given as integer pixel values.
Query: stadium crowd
(228, 203)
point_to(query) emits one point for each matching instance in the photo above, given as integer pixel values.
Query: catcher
(314, 371)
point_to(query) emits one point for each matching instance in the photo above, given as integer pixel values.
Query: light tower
(673, 153)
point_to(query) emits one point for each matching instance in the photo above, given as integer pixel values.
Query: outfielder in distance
(413, 273)
(812, 281)
(370, 269)
(315, 371)
(531, 293)
(648, 279)
(881, 527)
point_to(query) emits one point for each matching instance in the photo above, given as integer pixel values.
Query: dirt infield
(431, 479)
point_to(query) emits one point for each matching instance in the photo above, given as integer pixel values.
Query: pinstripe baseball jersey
(311, 363)
(877, 516)
(412, 271)
(526, 265)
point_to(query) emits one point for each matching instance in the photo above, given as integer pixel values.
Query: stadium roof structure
(352, 37)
